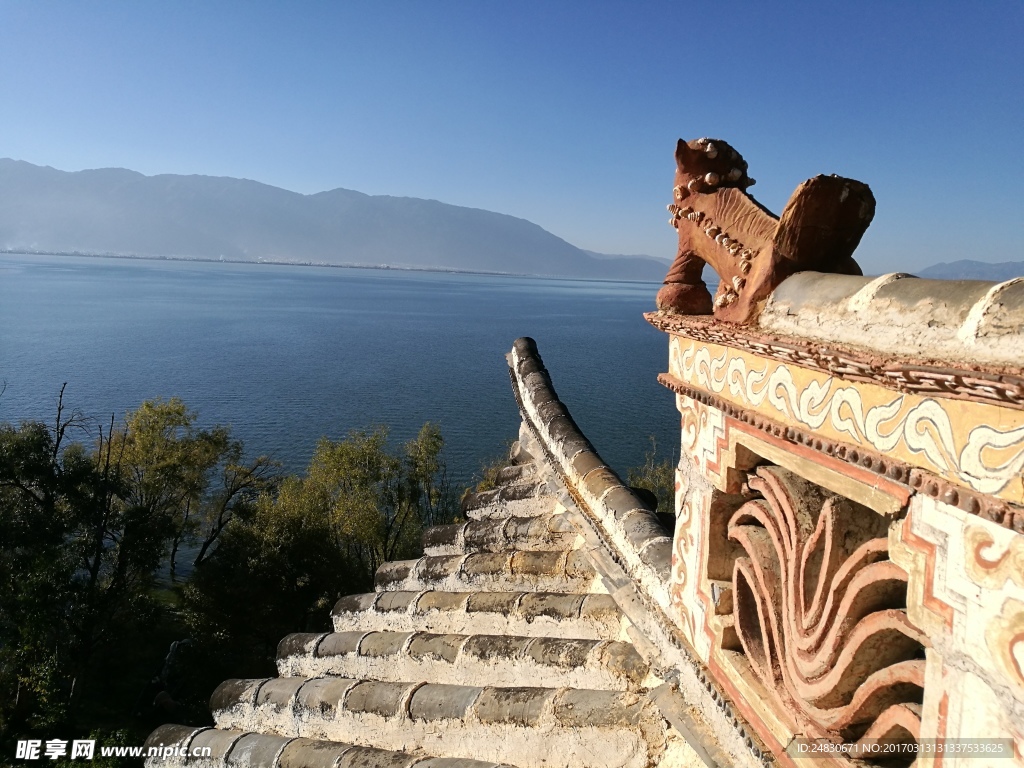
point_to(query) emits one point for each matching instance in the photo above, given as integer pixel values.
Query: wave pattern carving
(820, 611)
(987, 459)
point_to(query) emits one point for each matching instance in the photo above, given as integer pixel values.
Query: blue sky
(564, 113)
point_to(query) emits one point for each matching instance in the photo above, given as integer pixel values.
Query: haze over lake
(286, 354)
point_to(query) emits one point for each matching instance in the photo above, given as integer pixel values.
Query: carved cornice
(913, 478)
(911, 376)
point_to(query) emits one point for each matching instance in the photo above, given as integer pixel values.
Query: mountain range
(113, 211)
(966, 269)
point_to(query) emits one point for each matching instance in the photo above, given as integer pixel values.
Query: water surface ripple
(286, 354)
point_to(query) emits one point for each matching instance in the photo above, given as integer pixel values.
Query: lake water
(287, 354)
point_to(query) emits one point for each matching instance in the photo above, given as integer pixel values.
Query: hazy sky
(564, 113)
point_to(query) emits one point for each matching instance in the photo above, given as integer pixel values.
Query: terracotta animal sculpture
(750, 248)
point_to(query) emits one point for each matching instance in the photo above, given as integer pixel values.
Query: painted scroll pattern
(702, 431)
(683, 556)
(819, 610)
(981, 446)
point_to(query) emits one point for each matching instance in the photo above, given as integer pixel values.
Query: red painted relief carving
(750, 248)
(990, 566)
(819, 611)
(693, 423)
(1006, 642)
(930, 601)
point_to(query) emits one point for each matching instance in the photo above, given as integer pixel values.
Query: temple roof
(530, 634)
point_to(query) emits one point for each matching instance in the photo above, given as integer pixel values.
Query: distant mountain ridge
(966, 269)
(122, 212)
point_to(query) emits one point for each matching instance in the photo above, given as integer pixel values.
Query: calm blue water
(287, 354)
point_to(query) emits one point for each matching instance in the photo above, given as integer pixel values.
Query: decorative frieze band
(978, 446)
(916, 377)
(1006, 515)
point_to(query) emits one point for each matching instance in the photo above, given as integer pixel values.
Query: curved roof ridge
(964, 323)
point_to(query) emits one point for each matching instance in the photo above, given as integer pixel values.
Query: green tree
(378, 502)
(486, 478)
(83, 527)
(275, 571)
(657, 476)
(74, 566)
(194, 476)
(281, 564)
(234, 489)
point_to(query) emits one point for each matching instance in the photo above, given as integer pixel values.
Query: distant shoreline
(269, 262)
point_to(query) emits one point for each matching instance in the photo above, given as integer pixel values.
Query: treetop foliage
(87, 526)
(657, 476)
